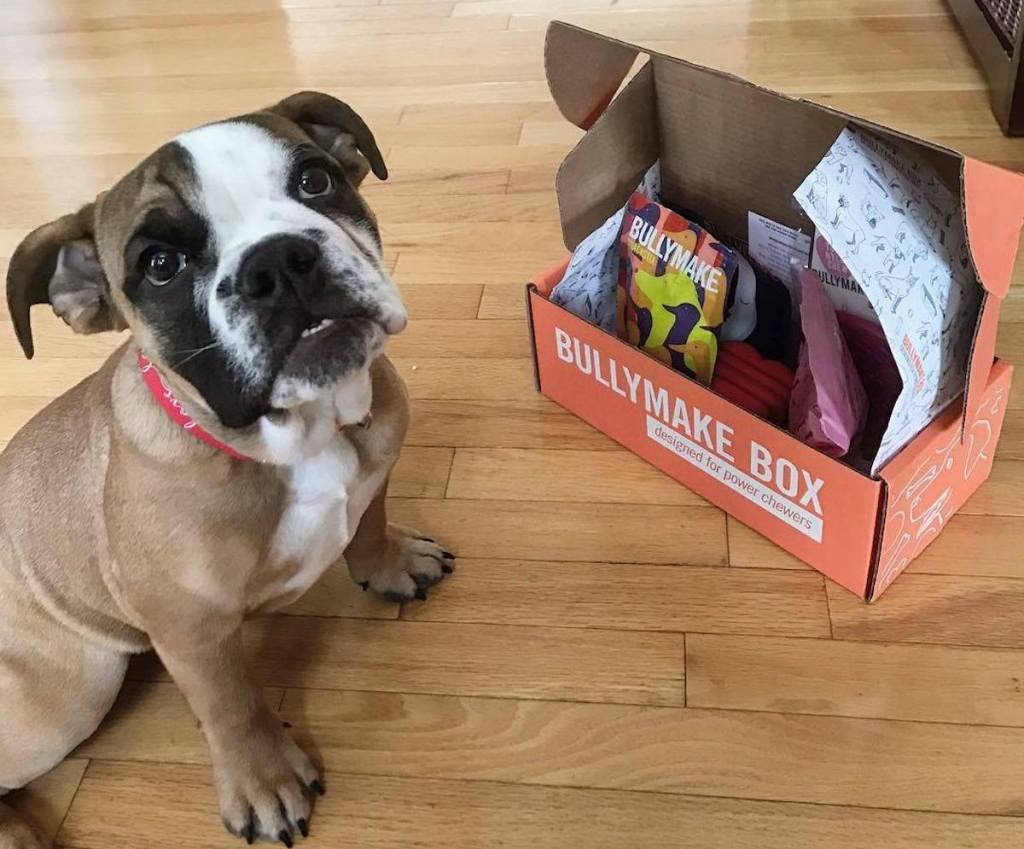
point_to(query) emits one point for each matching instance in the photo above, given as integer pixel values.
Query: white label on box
(718, 467)
(773, 245)
(844, 292)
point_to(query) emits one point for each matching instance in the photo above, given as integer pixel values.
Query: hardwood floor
(593, 675)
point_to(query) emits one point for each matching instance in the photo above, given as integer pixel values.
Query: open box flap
(757, 138)
(595, 179)
(585, 69)
(993, 200)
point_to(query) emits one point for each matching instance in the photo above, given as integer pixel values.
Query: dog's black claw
(303, 827)
(285, 724)
(285, 838)
(318, 787)
(447, 569)
(427, 539)
(365, 585)
(421, 593)
(448, 554)
(395, 598)
(424, 582)
(248, 831)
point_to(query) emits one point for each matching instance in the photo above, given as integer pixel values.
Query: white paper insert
(773, 245)
(900, 232)
(589, 286)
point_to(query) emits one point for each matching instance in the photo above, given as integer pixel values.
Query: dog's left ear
(57, 264)
(338, 129)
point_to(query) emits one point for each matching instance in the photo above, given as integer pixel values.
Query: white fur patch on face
(242, 179)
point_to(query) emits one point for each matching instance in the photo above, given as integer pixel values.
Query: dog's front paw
(405, 568)
(266, 783)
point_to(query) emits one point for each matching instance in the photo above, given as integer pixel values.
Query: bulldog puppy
(219, 462)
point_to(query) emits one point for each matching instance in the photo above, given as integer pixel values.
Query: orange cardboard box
(726, 147)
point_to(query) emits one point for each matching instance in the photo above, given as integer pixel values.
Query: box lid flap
(993, 211)
(584, 72)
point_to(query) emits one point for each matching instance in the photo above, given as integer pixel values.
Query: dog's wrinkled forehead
(241, 172)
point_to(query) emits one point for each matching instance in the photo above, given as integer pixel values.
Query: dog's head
(241, 255)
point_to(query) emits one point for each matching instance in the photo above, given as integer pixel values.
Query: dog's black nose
(278, 263)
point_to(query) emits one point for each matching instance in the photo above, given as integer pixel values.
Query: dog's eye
(314, 182)
(162, 265)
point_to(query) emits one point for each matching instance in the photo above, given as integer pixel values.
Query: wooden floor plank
(729, 753)
(936, 609)
(491, 660)
(874, 763)
(569, 475)
(469, 339)
(46, 801)
(979, 546)
(374, 812)
(1000, 495)
(443, 207)
(630, 597)
(887, 681)
(503, 300)
(540, 531)
(451, 379)
(440, 301)
(537, 423)
(416, 265)
(421, 472)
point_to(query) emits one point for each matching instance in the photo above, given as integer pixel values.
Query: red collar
(172, 406)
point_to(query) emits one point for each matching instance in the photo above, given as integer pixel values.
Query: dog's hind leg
(55, 689)
(16, 833)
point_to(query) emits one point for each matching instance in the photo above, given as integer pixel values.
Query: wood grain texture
(564, 475)
(46, 801)
(870, 762)
(375, 812)
(631, 597)
(890, 681)
(524, 530)
(937, 609)
(624, 667)
(497, 424)
(614, 663)
(971, 545)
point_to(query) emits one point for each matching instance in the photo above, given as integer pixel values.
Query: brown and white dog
(248, 269)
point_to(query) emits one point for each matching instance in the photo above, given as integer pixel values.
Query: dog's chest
(325, 497)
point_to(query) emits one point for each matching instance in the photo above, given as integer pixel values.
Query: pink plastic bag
(828, 407)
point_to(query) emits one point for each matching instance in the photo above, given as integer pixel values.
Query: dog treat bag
(674, 278)
(828, 407)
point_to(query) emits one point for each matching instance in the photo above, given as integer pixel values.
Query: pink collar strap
(172, 406)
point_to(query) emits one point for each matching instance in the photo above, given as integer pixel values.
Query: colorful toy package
(674, 281)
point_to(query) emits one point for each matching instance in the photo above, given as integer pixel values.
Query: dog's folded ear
(338, 129)
(57, 264)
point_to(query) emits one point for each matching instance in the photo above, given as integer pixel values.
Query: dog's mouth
(326, 349)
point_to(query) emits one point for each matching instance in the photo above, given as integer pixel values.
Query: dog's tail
(16, 833)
